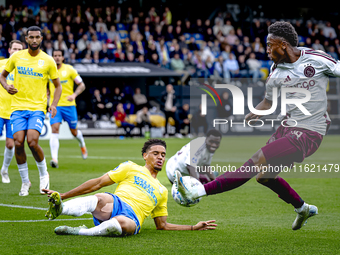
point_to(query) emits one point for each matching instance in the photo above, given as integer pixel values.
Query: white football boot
(24, 189)
(5, 177)
(303, 214)
(189, 193)
(66, 230)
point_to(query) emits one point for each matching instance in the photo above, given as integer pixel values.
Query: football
(188, 181)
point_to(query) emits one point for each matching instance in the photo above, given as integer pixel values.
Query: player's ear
(145, 155)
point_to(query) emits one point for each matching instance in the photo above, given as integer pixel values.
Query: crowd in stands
(218, 47)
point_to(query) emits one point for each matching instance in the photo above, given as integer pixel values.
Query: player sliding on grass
(293, 67)
(139, 194)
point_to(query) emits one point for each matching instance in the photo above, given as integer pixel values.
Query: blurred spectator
(96, 57)
(198, 120)
(60, 44)
(164, 56)
(112, 33)
(143, 120)
(227, 28)
(254, 67)
(122, 120)
(169, 36)
(182, 120)
(201, 70)
(230, 67)
(102, 35)
(87, 59)
(101, 25)
(168, 100)
(225, 110)
(95, 44)
(107, 101)
(49, 48)
(332, 53)
(329, 31)
(218, 69)
(83, 42)
(317, 45)
(105, 55)
(178, 66)
(192, 45)
(243, 66)
(231, 38)
(139, 99)
(217, 27)
(98, 105)
(167, 16)
(117, 97)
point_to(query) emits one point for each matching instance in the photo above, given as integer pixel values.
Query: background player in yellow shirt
(138, 195)
(66, 108)
(33, 68)
(5, 113)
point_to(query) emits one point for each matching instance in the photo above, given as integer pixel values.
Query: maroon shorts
(291, 144)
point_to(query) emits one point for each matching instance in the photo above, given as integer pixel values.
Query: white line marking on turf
(6, 221)
(25, 207)
(28, 207)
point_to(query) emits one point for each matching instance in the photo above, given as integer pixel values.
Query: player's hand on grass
(205, 225)
(11, 89)
(52, 110)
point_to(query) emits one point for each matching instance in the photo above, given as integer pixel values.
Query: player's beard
(158, 169)
(34, 48)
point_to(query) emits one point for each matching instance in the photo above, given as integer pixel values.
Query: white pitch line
(25, 207)
(28, 207)
(9, 221)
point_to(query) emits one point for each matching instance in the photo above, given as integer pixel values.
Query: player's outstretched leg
(110, 227)
(55, 206)
(303, 213)
(75, 207)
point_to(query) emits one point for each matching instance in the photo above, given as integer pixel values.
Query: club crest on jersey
(41, 62)
(309, 71)
(63, 73)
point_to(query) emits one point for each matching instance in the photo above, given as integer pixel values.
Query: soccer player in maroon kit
(293, 67)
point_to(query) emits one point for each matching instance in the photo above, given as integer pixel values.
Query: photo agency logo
(291, 98)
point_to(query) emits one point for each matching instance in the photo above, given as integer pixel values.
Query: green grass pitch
(251, 219)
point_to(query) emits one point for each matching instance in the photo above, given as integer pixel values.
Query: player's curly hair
(152, 142)
(285, 30)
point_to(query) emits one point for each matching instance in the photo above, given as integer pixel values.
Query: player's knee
(74, 132)
(10, 144)
(19, 144)
(32, 143)
(128, 226)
